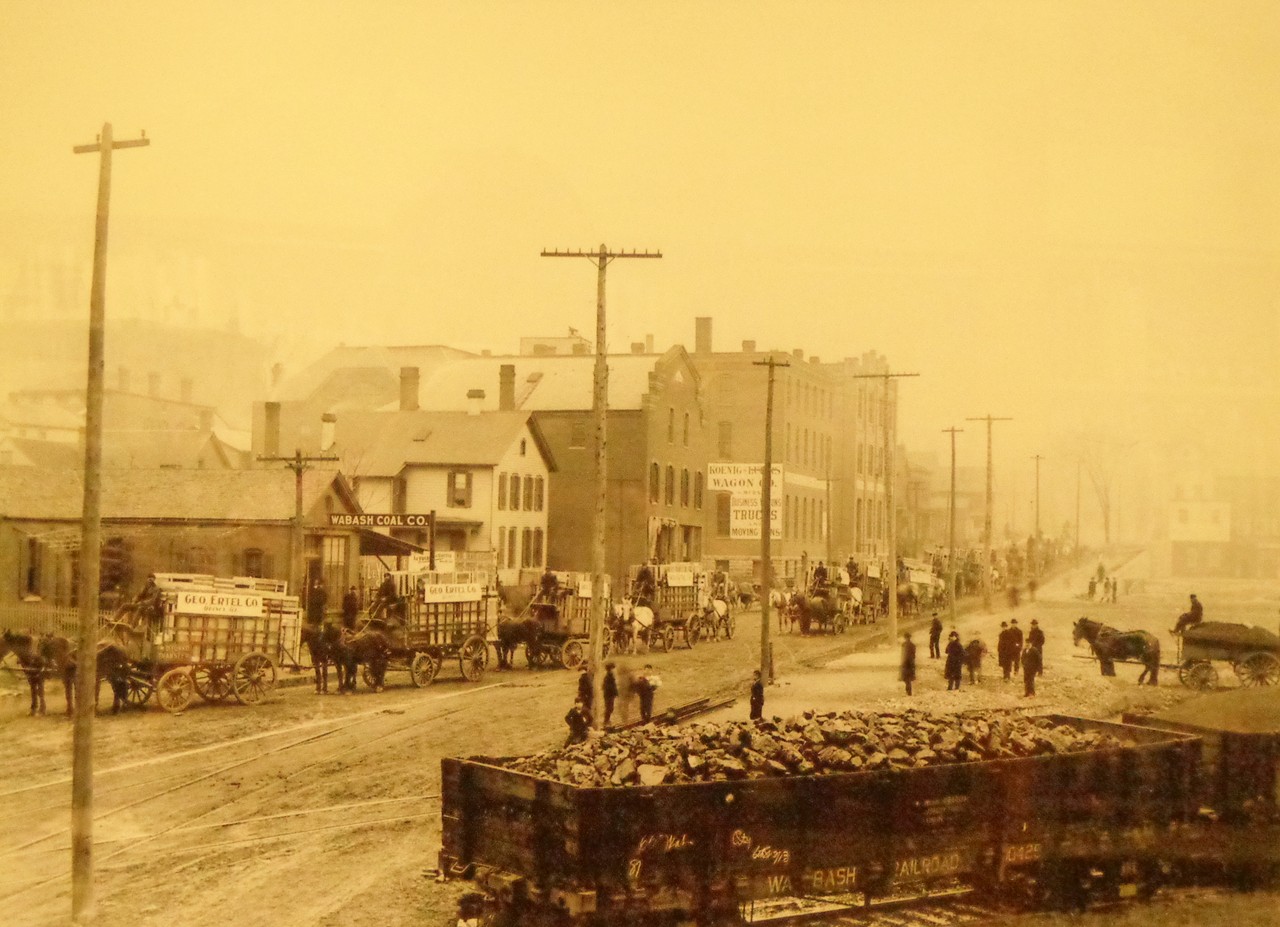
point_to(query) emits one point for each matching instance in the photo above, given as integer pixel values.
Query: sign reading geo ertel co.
(378, 520)
(452, 592)
(239, 604)
(740, 479)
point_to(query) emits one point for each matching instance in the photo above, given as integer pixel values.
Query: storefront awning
(375, 544)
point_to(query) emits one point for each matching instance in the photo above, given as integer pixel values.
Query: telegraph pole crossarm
(951, 525)
(299, 464)
(890, 519)
(986, 531)
(602, 257)
(766, 519)
(82, 897)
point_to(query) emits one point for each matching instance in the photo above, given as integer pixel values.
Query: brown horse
(324, 642)
(53, 654)
(371, 648)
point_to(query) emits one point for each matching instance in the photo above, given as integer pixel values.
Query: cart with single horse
(716, 600)
(674, 598)
(443, 617)
(563, 622)
(211, 637)
(1252, 652)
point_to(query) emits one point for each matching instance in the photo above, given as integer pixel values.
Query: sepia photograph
(545, 463)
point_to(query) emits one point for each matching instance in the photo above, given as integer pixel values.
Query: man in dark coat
(646, 584)
(579, 721)
(974, 651)
(1191, 617)
(907, 666)
(935, 637)
(350, 608)
(1035, 638)
(610, 687)
(585, 691)
(317, 599)
(1004, 650)
(1015, 635)
(1030, 668)
(645, 685)
(388, 594)
(757, 697)
(955, 661)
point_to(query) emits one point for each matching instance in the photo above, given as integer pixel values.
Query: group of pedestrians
(1014, 652)
(1110, 588)
(643, 686)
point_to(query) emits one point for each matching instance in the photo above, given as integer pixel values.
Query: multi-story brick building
(658, 438)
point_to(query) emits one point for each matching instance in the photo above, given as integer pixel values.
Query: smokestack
(648, 344)
(328, 425)
(475, 401)
(637, 347)
(506, 387)
(702, 334)
(271, 429)
(748, 347)
(408, 389)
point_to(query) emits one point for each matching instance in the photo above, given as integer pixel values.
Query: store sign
(452, 592)
(745, 520)
(740, 479)
(679, 578)
(378, 520)
(446, 562)
(238, 604)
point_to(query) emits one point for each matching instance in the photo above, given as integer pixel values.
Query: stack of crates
(199, 638)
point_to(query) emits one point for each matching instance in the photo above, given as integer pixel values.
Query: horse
(512, 632)
(324, 642)
(370, 647)
(24, 647)
(716, 617)
(637, 622)
(908, 599)
(1110, 645)
(112, 663)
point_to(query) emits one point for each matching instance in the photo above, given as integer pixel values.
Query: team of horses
(1110, 645)
(47, 656)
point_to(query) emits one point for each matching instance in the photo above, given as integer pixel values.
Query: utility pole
(1079, 465)
(83, 909)
(892, 526)
(986, 528)
(1035, 571)
(599, 406)
(951, 529)
(299, 465)
(766, 520)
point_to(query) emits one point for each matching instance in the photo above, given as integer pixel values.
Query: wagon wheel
(138, 689)
(571, 654)
(692, 631)
(423, 669)
(667, 638)
(1199, 674)
(534, 655)
(253, 678)
(473, 657)
(175, 690)
(1259, 669)
(213, 683)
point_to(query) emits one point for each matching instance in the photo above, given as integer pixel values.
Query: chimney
(153, 384)
(506, 388)
(328, 425)
(748, 347)
(798, 353)
(702, 334)
(648, 344)
(637, 347)
(408, 389)
(475, 401)
(271, 429)
(122, 379)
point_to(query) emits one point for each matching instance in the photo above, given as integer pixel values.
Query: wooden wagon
(445, 617)
(564, 622)
(676, 602)
(215, 638)
(1253, 653)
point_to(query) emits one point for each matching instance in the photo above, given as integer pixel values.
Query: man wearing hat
(1191, 617)
(610, 686)
(1015, 636)
(1035, 638)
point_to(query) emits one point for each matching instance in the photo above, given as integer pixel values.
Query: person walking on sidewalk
(757, 697)
(610, 687)
(1004, 650)
(935, 637)
(645, 685)
(586, 693)
(974, 651)
(907, 664)
(955, 661)
(1035, 638)
(1030, 669)
(1015, 636)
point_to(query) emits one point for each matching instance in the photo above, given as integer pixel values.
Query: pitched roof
(549, 383)
(383, 443)
(426, 357)
(196, 495)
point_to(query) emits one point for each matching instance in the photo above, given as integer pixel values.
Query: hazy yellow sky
(1022, 201)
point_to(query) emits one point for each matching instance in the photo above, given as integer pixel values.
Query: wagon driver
(646, 586)
(1191, 617)
(146, 605)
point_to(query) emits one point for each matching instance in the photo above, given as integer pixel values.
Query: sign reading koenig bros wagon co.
(239, 604)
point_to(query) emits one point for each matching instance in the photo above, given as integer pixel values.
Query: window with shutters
(539, 494)
(528, 494)
(526, 545)
(253, 562)
(671, 485)
(537, 547)
(459, 489)
(513, 547)
(655, 482)
(502, 491)
(686, 429)
(515, 492)
(697, 490)
(499, 546)
(671, 426)
(684, 487)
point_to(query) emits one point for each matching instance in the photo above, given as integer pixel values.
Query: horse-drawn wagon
(441, 617)
(671, 594)
(1252, 652)
(717, 596)
(563, 619)
(210, 637)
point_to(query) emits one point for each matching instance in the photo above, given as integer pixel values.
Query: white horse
(636, 623)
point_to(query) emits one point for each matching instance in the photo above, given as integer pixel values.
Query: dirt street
(324, 810)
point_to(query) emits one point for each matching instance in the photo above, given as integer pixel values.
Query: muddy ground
(312, 809)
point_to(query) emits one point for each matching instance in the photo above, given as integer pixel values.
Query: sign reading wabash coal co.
(452, 592)
(239, 604)
(378, 520)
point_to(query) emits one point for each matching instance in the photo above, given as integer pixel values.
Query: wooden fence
(42, 618)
